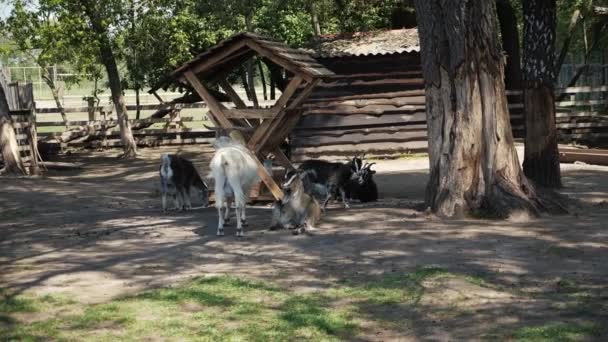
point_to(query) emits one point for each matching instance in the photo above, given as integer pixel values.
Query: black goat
(364, 188)
(333, 177)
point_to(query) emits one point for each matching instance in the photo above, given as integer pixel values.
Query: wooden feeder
(261, 129)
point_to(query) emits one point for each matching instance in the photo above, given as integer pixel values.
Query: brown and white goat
(298, 210)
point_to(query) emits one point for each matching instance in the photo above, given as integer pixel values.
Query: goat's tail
(225, 175)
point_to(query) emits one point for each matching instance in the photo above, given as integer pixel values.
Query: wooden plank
(366, 130)
(213, 59)
(399, 81)
(590, 156)
(282, 159)
(214, 105)
(236, 99)
(350, 149)
(344, 121)
(363, 102)
(258, 135)
(370, 110)
(359, 138)
(583, 89)
(249, 113)
(387, 95)
(581, 103)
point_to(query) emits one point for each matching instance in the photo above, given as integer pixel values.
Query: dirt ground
(97, 233)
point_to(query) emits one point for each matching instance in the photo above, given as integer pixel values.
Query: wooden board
(359, 138)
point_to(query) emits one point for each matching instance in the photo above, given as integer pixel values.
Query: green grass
(225, 308)
(557, 332)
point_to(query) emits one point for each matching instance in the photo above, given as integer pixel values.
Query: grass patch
(223, 308)
(557, 332)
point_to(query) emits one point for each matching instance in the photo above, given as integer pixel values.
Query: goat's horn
(370, 165)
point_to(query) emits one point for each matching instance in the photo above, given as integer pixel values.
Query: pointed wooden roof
(235, 50)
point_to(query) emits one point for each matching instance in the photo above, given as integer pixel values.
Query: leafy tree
(474, 168)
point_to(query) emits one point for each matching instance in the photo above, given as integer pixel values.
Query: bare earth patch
(96, 234)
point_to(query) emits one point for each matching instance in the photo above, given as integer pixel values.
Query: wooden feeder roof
(235, 50)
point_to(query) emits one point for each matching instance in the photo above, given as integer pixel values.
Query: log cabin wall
(374, 105)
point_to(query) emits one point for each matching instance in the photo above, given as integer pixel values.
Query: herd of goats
(235, 171)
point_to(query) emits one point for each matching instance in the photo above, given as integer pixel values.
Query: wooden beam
(249, 113)
(221, 57)
(278, 60)
(231, 93)
(274, 129)
(214, 106)
(282, 159)
(277, 108)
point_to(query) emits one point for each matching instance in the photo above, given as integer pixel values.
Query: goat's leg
(186, 195)
(220, 224)
(243, 217)
(227, 212)
(239, 224)
(329, 196)
(344, 200)
(163, 200)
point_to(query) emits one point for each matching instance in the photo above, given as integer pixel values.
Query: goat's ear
(373, 171)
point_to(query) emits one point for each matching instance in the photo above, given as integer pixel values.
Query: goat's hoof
(220, 232)
(239, 233)
(298, 231)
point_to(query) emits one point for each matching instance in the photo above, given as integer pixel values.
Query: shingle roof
(366, 43)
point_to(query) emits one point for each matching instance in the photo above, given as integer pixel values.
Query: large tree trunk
(8, 141)
(510, 43)
(474, 167)
(541, 161)
(109, 62)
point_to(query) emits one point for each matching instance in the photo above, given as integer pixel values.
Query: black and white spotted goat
(177, 177)
(331, 180)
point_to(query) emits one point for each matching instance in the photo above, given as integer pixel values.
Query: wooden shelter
(261, 129)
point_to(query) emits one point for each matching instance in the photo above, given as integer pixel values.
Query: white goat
(234, 171)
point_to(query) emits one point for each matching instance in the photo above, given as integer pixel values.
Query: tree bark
(8, 141)
(55, 92)
(474, 169)
(109, 62)
(316, 27)
(262, 80)
(576, 15)
(510, 43)
(541, 161)
(137, 103)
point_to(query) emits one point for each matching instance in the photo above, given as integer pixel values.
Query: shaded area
(95, 234)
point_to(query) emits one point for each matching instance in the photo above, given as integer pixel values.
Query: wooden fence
(173, 128)
(339, 121)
